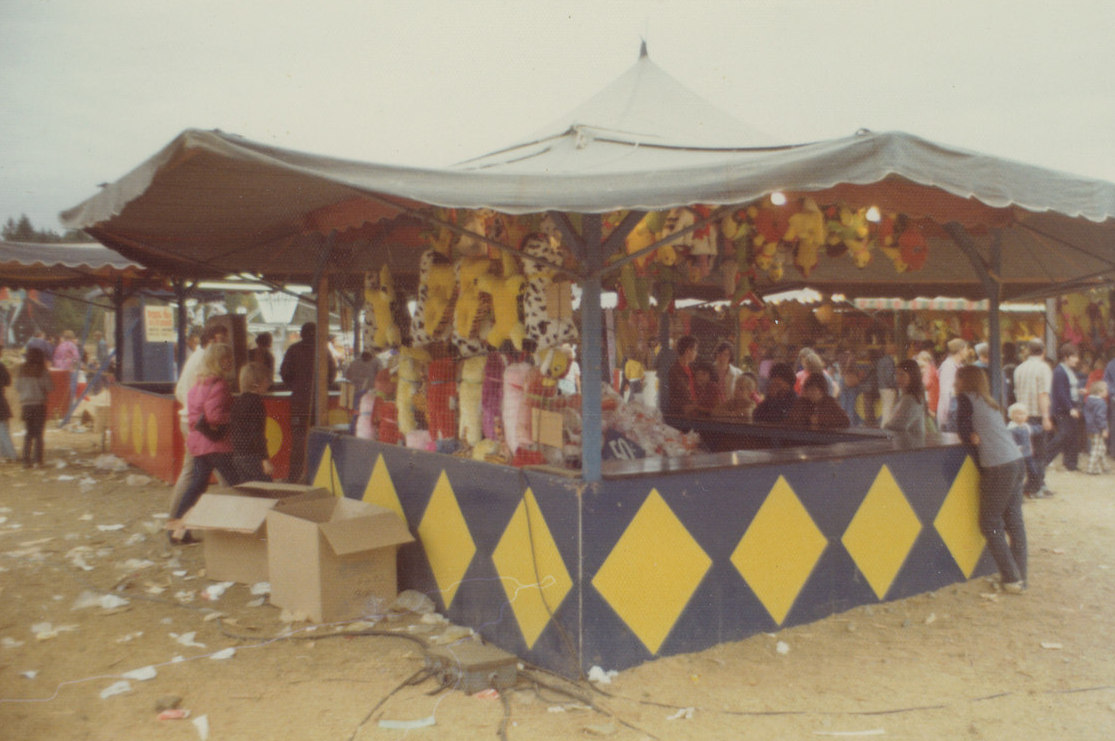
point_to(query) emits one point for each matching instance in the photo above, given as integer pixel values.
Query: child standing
(249, 424)
(1022, 432)
(33, 385)
(1095, 423)
(979, 422)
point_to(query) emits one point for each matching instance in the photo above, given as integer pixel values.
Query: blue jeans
(203, 468)
(7, 450)
(1000, 517)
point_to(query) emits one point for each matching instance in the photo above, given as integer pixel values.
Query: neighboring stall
(614, 562)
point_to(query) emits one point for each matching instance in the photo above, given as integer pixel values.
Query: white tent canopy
(211, 202)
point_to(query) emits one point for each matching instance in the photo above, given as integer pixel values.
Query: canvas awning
(64, 265)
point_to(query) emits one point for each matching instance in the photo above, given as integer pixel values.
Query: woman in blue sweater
(980, 423)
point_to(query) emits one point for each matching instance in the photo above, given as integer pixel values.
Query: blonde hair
(254, 376)
(1018, 407)
(213, 361)
(813, 362)
(972, 379)
(1099, 388)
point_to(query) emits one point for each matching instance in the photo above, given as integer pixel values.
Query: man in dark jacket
(1064, 407)
(297, 372)
(780, 395)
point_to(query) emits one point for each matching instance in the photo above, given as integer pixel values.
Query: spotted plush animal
(547, 302)
(436, 292)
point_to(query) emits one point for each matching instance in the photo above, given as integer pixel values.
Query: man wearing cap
(1033, 381)
(1064, 407)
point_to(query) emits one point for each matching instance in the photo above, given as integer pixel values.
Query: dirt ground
(963, 662)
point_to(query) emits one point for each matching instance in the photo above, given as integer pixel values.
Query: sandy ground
(960, 663)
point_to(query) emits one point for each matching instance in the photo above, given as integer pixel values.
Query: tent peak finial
(643, 49)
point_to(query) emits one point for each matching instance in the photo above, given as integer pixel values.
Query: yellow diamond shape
(779, 550)
(652, 572)
(381, 490)
(531, 569)
(445, 538)
(327, 476)
(958, 520)
(152, 435)
(882, 532)
(137, 430)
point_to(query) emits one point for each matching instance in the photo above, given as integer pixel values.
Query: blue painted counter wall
(568, 574)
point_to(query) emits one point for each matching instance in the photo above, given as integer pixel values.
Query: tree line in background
(22, 230)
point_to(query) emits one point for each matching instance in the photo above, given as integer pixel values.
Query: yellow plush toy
(470, 419)
(807, 229)
(412, 369)
(504, 290)
(469, 272)
(440, 283)
(380, 297)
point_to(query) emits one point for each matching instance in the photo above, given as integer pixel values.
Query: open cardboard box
(234, 522)
(329, 558)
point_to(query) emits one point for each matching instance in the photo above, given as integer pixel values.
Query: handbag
(216, 433)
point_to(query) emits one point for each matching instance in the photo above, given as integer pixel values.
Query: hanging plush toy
(504, 290)
(385, 414)
(436, 286)
(514, 395)
(547, 302)
(441, 398)
(492, 395)
(380, 296)
(807, 230)
(412, 371)
(470, 393)
(850, 231)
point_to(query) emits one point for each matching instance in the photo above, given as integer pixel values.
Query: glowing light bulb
(778, 198)
(874, 215)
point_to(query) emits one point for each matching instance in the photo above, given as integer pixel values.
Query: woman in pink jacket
(208, 404)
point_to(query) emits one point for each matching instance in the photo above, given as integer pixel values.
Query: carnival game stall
(574, 528)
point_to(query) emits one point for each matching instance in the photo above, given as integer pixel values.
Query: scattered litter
(682, 714)
(173, 714)
(407, 725)
(201, 723)
(135, 539)
(261, 588)
(187, 639)
(92, 599)
(452, 634)
(782, 648)
(130, 637)
(141, 675)
(989, 596)
(214, 592)
(46, 631)
(155, 589)
(1052, 646)
(67, 477)
(87, 517)
(411, 600)
(434, 618)
(180, 572)
(487, 694)
(30, 673)
(110, 528)
(135, 564)
(870, 732)
(8, 642)
(931, 618)
(86, 484)
(256, 603)
(118, 688)
(224, 653)
(212, 615)
(598, 675)
(291, 616)
(59, 464)
(135, 479)
(110, 463)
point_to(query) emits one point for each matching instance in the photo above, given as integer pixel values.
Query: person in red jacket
(209, 406)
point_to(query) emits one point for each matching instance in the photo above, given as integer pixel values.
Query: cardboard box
(234, 523)
(329, 558)
(274, 489)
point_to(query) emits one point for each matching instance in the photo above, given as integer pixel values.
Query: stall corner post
(592, 436)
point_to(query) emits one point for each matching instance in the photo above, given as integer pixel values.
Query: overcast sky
(91, 88)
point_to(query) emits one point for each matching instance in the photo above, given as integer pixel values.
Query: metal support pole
(592, 435)
(321, 357)
(180, 295)
(991, 282)
(118, 304)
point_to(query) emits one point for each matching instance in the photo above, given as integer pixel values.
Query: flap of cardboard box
(275, 489)
(237, 513)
